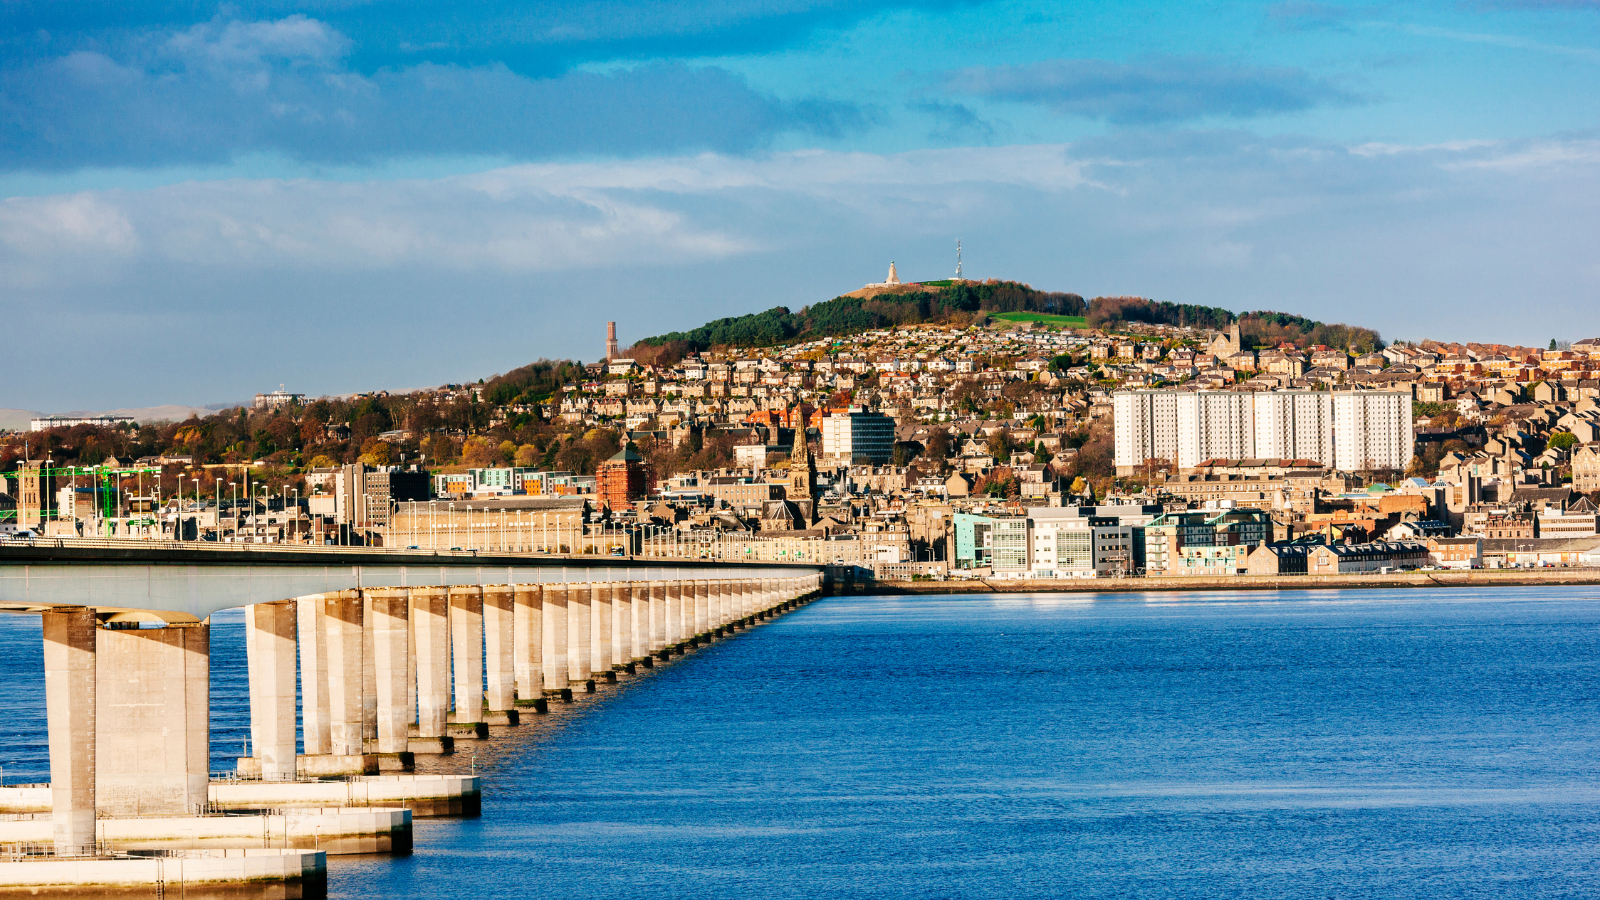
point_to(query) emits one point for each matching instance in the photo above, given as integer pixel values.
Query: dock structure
(378, 674)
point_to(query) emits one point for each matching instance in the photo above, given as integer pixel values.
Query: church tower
(803, 474)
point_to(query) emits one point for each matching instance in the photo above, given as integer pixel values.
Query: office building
(858, 437)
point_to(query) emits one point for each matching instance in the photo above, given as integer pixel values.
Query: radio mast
(958, 259)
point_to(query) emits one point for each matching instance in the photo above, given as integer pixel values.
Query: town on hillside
(944, 429)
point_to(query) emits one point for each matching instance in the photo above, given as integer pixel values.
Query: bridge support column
(312, 635)
(580, 626)
(554, 637)
(527, 627)
(600, 632)
(153, 712)
(499, 654)
(658, 617)
(673, 632)
(389, 623)
(685, 612)
(701, 607)
(466, 661)
(69, 689)
(346, 676)
(269, 634)
(638, 621)
(621, 627)
(714, 607)
(430, 631)
(369, 678)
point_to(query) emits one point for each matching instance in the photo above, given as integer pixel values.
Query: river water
(1297, 744)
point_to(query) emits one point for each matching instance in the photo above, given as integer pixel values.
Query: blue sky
(206, 200)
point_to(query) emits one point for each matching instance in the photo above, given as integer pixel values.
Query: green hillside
(962, 303)
(1044, 319)
(954, 303)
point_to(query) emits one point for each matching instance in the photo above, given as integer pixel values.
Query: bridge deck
(182, 582)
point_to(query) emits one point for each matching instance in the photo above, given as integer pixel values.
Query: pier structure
(378, 673)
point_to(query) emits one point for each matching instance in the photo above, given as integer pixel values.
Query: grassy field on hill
(1043, 319)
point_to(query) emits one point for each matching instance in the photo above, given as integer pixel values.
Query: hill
(954, 302)
(961, 303)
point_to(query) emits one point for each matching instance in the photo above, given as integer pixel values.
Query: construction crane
(100, 475)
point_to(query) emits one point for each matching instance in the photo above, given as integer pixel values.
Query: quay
(1553, 576)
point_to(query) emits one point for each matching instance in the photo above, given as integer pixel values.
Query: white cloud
(495, 268)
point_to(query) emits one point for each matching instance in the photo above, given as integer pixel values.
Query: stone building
(623, 479)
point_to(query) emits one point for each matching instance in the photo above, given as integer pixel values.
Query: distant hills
(962, 303)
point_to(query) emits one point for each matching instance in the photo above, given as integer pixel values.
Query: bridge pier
(346, 639)
(389, 623)
(555, 640)
(701, 618)
(527, 626)
(580, 650)
(430, 630)
(311, 633)
(658, 619)
(270, 644)
(672, 631)
(638, 624)
(685, 613)
(499, 653)
(466, 662)
(600, 632)
(69, 687)
(621, 627)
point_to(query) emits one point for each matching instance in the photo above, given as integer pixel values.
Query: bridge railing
(721, 550)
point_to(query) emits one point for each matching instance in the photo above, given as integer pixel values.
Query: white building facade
(858, 435)
(1349, 430)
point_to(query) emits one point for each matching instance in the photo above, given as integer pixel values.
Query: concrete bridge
(396, 652)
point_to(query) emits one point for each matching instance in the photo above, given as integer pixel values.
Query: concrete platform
(332, 830)
(192, 874)
(441, 746)
(318, 765)
(472, 731)
(25, 798)
(425, 795)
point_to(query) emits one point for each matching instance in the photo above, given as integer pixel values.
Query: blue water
(1338, 745)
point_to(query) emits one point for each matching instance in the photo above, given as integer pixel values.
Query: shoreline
(1441, 578)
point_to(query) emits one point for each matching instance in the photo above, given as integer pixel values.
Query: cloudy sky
(204, 200)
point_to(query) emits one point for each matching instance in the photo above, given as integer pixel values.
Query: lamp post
(181, 503)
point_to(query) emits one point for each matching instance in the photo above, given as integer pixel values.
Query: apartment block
(1348, 430)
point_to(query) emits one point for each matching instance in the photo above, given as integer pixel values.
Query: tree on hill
(959, 304)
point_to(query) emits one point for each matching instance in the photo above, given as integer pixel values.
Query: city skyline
(331, 182)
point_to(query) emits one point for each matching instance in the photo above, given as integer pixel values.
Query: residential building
(1378, 556)
(1456, 552)
(279, 399)
(1348, 430)
(47, 422)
